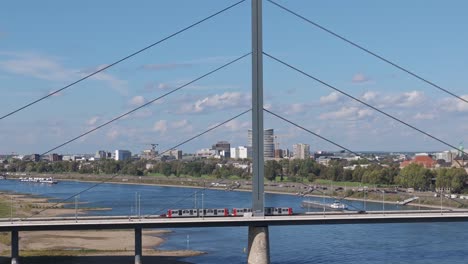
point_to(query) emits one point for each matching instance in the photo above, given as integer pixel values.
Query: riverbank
(427, 200)
(92, 243)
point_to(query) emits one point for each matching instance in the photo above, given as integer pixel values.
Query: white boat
(48, 180)
(336, 205)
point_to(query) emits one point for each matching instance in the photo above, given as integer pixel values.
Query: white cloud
(163, 86)
(180, 123)
(113, 133)
(455, 104)
(351, 112)
(142, 113)
(160, 126)
(217, 101)
(52, 69)
(369, 96)
(182, 126)
(137, 100)
(333, 97)
(424, 116)
(406, 99)
(236, 125)
(117, 84)
(37, 66)
(92, 121)
(296, 108)
(360, 78)
(411, 99)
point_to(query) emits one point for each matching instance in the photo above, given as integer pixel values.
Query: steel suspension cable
(368, 51)
(111, 178)
(146, 104)
(362, 102)
(121, 60)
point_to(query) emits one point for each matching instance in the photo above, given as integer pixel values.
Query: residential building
(319, 154)
(241, 152)
(177, 154)
(447, 156)
(55, 157)
(301, 151)
(33, 157)
(149, 154)
(423, 159)
(206, 153)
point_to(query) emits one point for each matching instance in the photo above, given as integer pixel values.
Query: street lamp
(383, 201)
(139, 205)
(440, 200)
(76, 208)
(365, 198)
(11, 209)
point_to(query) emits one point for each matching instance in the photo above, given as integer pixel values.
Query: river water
(354, 243)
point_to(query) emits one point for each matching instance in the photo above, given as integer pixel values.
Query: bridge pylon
(258, 242)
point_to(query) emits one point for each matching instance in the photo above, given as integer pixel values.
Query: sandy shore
(101, 243)
(95, 242)
(28, 206)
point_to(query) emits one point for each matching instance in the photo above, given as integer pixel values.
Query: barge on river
(48, 180)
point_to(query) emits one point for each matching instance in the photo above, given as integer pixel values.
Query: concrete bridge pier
(138, 246)
(14, 247)
(259, 245)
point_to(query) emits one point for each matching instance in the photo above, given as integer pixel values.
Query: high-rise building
(301, 151)
(268, 142)
(278, 153)
(55, 157)
(177, 154)
(222, 148)
(122, 154)
(241, 152)
(100, 154)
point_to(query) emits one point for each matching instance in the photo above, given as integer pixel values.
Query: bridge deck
(91, 223)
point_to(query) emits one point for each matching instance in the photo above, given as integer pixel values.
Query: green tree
(453, 178)
(272, 169)
(414, 176)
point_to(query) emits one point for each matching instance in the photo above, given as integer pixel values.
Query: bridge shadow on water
(92, 260)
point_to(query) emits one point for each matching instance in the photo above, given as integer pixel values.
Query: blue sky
(48, 44)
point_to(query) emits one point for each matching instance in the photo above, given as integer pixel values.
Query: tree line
(295, 170)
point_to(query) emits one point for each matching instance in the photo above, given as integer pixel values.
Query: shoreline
(89, 243)
(196, 184)
(413, 204)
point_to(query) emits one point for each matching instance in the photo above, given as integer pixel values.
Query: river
(359, 243)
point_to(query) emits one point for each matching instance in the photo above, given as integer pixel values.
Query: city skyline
(63, 52)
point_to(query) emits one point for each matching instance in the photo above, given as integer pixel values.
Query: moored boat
(48, 180)
(336, 205)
